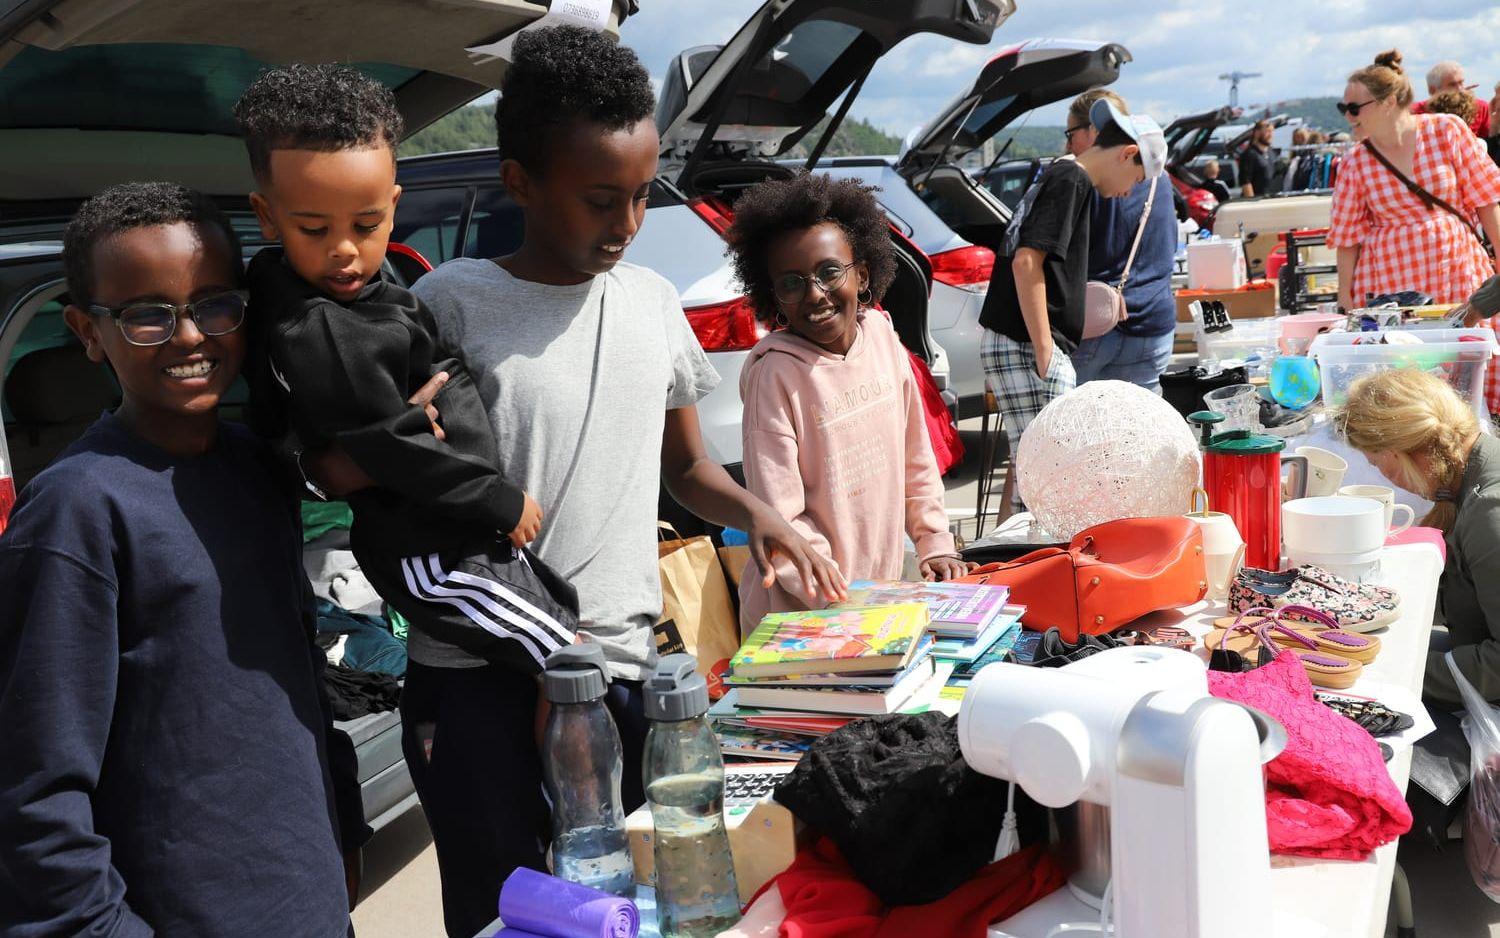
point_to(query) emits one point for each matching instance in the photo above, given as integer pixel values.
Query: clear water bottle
(581, 761)
(696, 893)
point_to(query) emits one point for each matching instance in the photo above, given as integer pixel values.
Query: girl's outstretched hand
(944, 568)
(771, 537)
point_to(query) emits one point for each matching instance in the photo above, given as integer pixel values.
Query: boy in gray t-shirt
(589, 372)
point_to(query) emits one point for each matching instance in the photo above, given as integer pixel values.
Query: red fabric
(946, 445)
(824, 900)
(1328, 794)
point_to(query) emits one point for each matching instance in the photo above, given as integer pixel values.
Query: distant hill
(468, 128)
(1317, 113)
(473, 127)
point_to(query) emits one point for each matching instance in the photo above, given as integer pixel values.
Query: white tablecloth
(1329, 898)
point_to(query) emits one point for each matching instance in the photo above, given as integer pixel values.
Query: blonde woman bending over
(1424, 438)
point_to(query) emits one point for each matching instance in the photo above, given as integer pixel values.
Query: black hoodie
(342, 373)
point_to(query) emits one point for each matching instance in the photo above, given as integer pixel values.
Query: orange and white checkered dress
(1404, 244)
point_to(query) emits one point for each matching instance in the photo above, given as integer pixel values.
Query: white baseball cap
(1145, 131)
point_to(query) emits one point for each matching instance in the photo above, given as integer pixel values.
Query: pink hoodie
(838, 445)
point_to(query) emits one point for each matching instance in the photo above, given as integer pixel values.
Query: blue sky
(1180, 47)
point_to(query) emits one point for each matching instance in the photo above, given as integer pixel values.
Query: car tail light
(969, 267)
(726, 327)
(715, 211)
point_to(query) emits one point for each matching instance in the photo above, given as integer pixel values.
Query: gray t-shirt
(578, 380)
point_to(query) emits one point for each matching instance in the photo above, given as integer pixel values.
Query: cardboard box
(1255, 300)
(1216, 265)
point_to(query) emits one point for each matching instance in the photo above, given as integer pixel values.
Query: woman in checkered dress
(1391, 239)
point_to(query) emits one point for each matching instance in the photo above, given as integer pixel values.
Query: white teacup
(1325, 470)
(1387, 497)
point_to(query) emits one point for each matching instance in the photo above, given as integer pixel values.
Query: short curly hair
(325, 108)
(562, 75)
(770, 209)
(1461, 104)
(134, 205)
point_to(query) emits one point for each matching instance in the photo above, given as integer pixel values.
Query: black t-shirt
(1053, 218)
(1256, 169)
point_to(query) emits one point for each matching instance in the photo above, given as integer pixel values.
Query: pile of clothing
(364, 639)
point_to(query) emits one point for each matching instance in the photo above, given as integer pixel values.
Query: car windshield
(165, 87)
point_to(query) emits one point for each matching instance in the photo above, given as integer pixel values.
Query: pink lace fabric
(1328, 795)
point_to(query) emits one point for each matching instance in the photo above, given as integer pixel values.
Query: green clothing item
(318, 518)
(1469, 593)
(397, 622)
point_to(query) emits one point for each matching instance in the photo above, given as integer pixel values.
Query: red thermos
(1242, 475)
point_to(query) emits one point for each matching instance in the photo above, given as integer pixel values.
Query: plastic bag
(1482, 816)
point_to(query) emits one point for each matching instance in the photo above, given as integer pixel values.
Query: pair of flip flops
(1332, 657)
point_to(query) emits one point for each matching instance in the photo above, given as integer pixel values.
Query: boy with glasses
(167, 743)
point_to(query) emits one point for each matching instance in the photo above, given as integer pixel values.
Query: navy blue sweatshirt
(162, 725)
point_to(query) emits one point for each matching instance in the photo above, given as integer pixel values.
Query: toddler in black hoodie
(339, 350)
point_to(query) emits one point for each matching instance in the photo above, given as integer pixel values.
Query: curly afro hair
(562, 75)
(1461, 104)
(325, 108)
(771, 209)
(134, 205)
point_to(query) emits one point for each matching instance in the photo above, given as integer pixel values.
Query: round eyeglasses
(791, 288)
(150, 324)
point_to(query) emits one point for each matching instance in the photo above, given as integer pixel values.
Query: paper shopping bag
(696, 610)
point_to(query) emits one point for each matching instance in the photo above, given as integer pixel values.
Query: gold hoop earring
(865, 297)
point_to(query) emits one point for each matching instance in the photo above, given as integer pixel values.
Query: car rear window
(168, 87)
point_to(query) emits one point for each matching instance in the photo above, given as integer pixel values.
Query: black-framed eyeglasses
(1068, 134)
(791, 288)
(150, 324)
(1353, 108)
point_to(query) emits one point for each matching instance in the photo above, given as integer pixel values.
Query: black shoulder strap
(1427, 198)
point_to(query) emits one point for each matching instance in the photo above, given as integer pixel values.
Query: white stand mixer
(1135, 729)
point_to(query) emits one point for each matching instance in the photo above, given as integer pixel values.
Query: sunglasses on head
(1353, 108)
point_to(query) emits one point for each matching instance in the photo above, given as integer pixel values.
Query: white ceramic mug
(1387, 497)
(1325, 470)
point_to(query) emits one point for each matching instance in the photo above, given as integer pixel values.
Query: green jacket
(1469, 593)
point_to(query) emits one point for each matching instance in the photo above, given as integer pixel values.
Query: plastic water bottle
(696, 894)
(581, 761)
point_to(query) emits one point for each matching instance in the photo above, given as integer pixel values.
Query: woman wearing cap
(1033, 313)
(1391, 237)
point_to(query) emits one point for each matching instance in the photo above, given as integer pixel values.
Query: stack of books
(972, 625)
(801, 675)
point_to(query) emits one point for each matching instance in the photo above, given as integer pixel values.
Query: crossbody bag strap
(1427, 198)
(1139, 230)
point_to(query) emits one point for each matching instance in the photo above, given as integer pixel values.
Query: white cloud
(1180, 47)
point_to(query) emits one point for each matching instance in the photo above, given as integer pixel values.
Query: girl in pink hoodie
(834, 432)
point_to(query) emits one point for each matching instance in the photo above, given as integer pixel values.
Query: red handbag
(1109, 576)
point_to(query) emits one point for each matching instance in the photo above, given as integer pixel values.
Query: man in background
(1257, 165)
(1449, 76)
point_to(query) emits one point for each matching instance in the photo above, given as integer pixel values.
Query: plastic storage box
(1460, 356)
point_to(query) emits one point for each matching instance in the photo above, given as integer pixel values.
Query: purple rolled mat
(549, 907)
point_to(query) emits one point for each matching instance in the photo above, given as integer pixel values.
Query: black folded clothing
(1053, 652)
(910, 816)
(354, 694)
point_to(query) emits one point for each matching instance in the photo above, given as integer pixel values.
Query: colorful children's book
(999, 651)
(920, 660)
(832, 641)
(762, 744)
(965, 651)
(953, 608)
(858, 701)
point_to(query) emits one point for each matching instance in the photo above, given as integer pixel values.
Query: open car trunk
(1187, 138)
(1015, 81)
(174, 68)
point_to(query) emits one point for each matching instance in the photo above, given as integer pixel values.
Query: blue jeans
(1120, 357)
